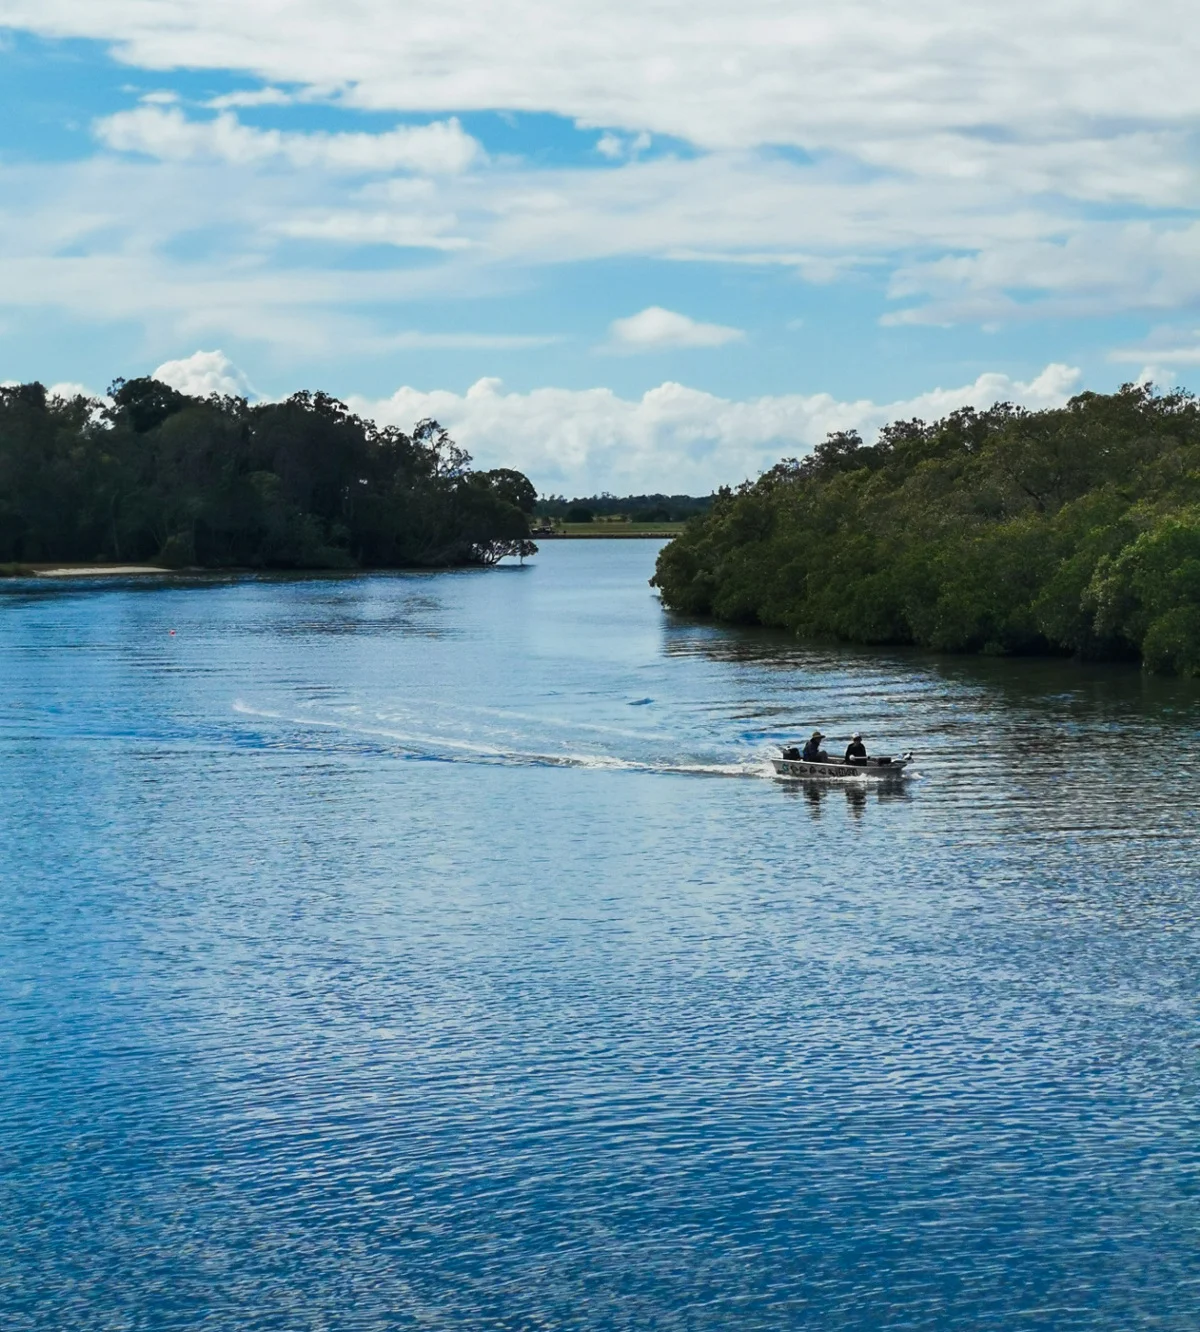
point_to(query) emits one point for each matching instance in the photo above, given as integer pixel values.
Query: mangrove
(1072, 531)
(154, 475)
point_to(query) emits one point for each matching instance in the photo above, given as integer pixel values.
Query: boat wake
(434, 748)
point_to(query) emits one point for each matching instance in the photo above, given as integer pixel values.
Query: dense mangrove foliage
(1073, 531)
(152, 474)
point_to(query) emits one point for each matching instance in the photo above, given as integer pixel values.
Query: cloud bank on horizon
(787, 203)
(671, 438)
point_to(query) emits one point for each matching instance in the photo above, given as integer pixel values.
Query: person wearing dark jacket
(856, 748)
(813, 753)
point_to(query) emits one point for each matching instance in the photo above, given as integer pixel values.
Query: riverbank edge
(604, 536)
(60, 570)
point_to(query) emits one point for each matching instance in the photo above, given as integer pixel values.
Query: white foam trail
(432, 746)
(428, 741)
(566, 723)
(536, 719)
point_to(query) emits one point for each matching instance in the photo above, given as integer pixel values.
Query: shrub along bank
(1073, 530)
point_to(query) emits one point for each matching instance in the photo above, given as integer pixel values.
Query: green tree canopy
(1073, 530)
(153, 474)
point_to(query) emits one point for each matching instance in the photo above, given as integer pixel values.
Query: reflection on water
(855, 795)
(1056, 743)
(383, 952)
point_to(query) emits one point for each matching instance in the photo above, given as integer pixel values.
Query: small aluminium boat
(792, 765)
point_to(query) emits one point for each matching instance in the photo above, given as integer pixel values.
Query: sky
(631, 246)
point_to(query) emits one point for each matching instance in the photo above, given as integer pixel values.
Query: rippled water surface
(438, 951)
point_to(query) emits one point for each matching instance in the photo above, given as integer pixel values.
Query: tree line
(152, 474)
(1071, 531)
(655, 508)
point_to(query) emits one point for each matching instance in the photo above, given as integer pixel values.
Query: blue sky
(639, 245)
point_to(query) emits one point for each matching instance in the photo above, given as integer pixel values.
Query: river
(438, 951)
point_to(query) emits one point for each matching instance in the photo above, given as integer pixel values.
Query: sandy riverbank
(96, 570)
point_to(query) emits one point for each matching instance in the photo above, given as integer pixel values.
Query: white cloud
(404, 230)
(804, 73)
(205, 372)
(615, 148)
(167, 133)
(69, 389)
(656, 329)
(1163, 356)
(1001, 160)
(1070, 270)
(254, 97)
(112, 238)
(1160, 376)
(1160, 359)
(672, 438)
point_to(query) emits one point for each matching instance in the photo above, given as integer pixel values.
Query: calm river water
(437, 951)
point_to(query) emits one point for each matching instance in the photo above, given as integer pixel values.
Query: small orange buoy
(172, 633)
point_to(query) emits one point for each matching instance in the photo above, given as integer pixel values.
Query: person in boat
(856, 749)
(813, 753)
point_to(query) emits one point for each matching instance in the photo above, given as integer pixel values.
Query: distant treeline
(302, 484)
(637, 508)
(1072, 531)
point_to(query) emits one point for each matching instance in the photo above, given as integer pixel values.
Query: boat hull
(872, 768)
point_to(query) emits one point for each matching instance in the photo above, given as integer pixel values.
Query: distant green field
(609, 530)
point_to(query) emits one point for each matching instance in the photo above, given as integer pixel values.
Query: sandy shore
(98, 570)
